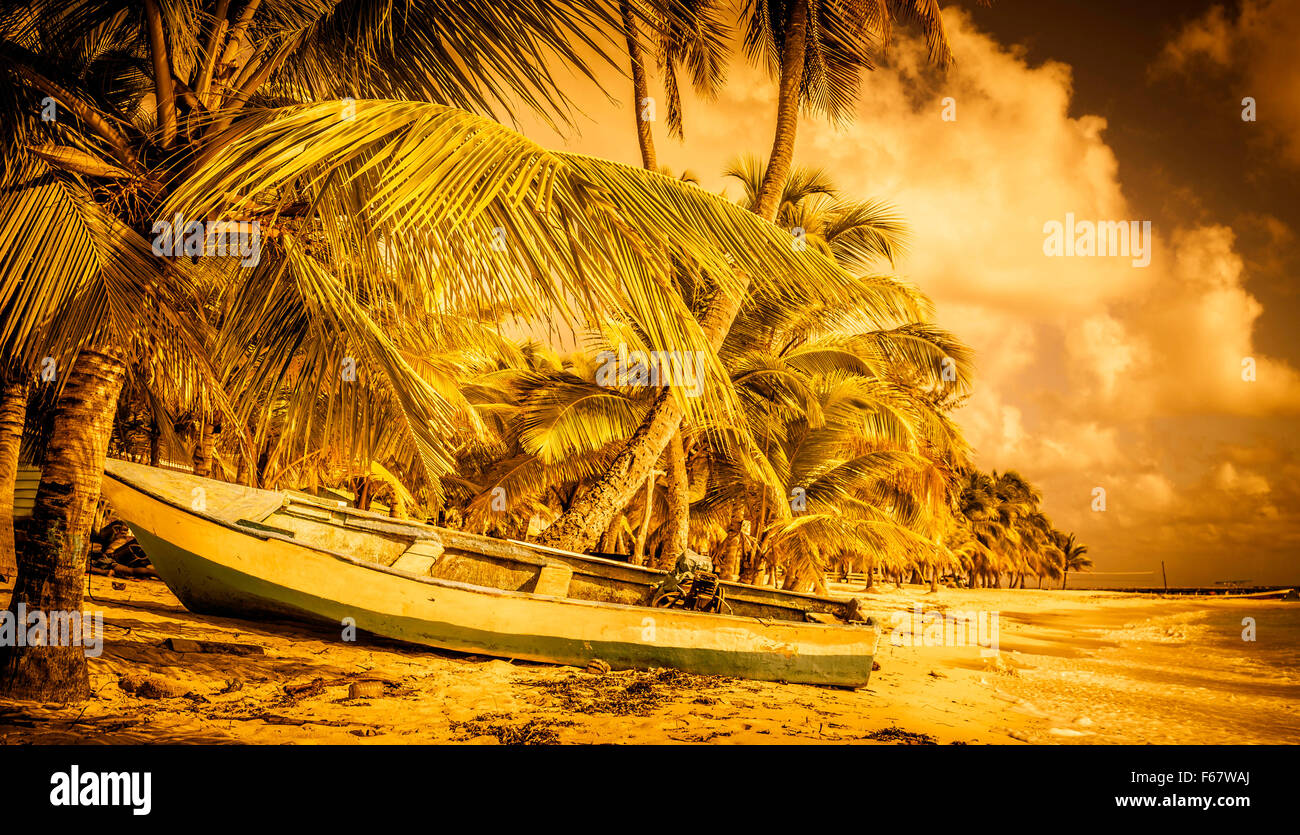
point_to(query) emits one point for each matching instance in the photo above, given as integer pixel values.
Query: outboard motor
(691, 584)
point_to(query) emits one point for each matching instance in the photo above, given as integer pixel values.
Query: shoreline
(1074, 667)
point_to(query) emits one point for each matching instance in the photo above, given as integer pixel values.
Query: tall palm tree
(782, 359)
(780, 356)
(690, 34)
(13, 409)
(1072, 557)
(817, 50)
(239, 114)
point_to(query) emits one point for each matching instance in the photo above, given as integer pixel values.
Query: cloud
(1229, 479)
(1258, 47)
(1209, 37)
(1092, 372)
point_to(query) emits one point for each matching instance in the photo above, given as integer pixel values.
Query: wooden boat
(232, 550)
(597, 578)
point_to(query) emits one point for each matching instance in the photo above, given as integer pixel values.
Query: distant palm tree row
(1002, 532)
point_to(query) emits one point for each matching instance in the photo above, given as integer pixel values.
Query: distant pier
(1216, 591)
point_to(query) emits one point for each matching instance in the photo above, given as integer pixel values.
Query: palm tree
(692, 34)
(817, 50)
(365, 205)
(13, 408)
(1072, 557)
(782, 359)
(1006, 532)
(852, 461)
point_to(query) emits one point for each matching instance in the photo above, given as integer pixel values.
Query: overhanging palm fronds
(465, 209)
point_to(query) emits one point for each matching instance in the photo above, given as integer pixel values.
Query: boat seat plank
(421, 564)
(346, 516)
(420, 558)
(553, 579)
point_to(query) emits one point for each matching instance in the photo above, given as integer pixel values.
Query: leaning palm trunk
(53, 565)
(13, 409)
(597, 502)
(595, 505)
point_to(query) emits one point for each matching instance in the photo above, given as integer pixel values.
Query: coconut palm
(691, 34)
(13, 408)
(817, 50)
(1072, 556)
(694, 34)
(403, 206)
(780, 357)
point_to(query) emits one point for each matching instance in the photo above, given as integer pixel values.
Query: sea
(1209, 672)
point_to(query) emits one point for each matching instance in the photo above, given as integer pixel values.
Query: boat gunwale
(324, 504)
(456, 584)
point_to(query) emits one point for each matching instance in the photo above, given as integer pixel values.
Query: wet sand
(1074, 667)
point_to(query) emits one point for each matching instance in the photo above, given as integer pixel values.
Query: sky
(1171, 386)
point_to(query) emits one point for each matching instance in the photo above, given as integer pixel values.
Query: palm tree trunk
(609, 542)
(727, 563)
(361, 494)
(597, 502)
(54, 560)
(792, 579)
(155, 444)
(679, 504)
(638, 552)
(640, 89)
(13, 411)
(750, 564)
(1065, 575)
(203, 449)
(793, 56)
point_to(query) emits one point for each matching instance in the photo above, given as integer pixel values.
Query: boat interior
(446, 554)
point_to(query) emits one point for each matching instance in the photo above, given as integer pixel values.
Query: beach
(1072, 667)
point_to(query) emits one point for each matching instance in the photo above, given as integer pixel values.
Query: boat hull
(216, 567)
